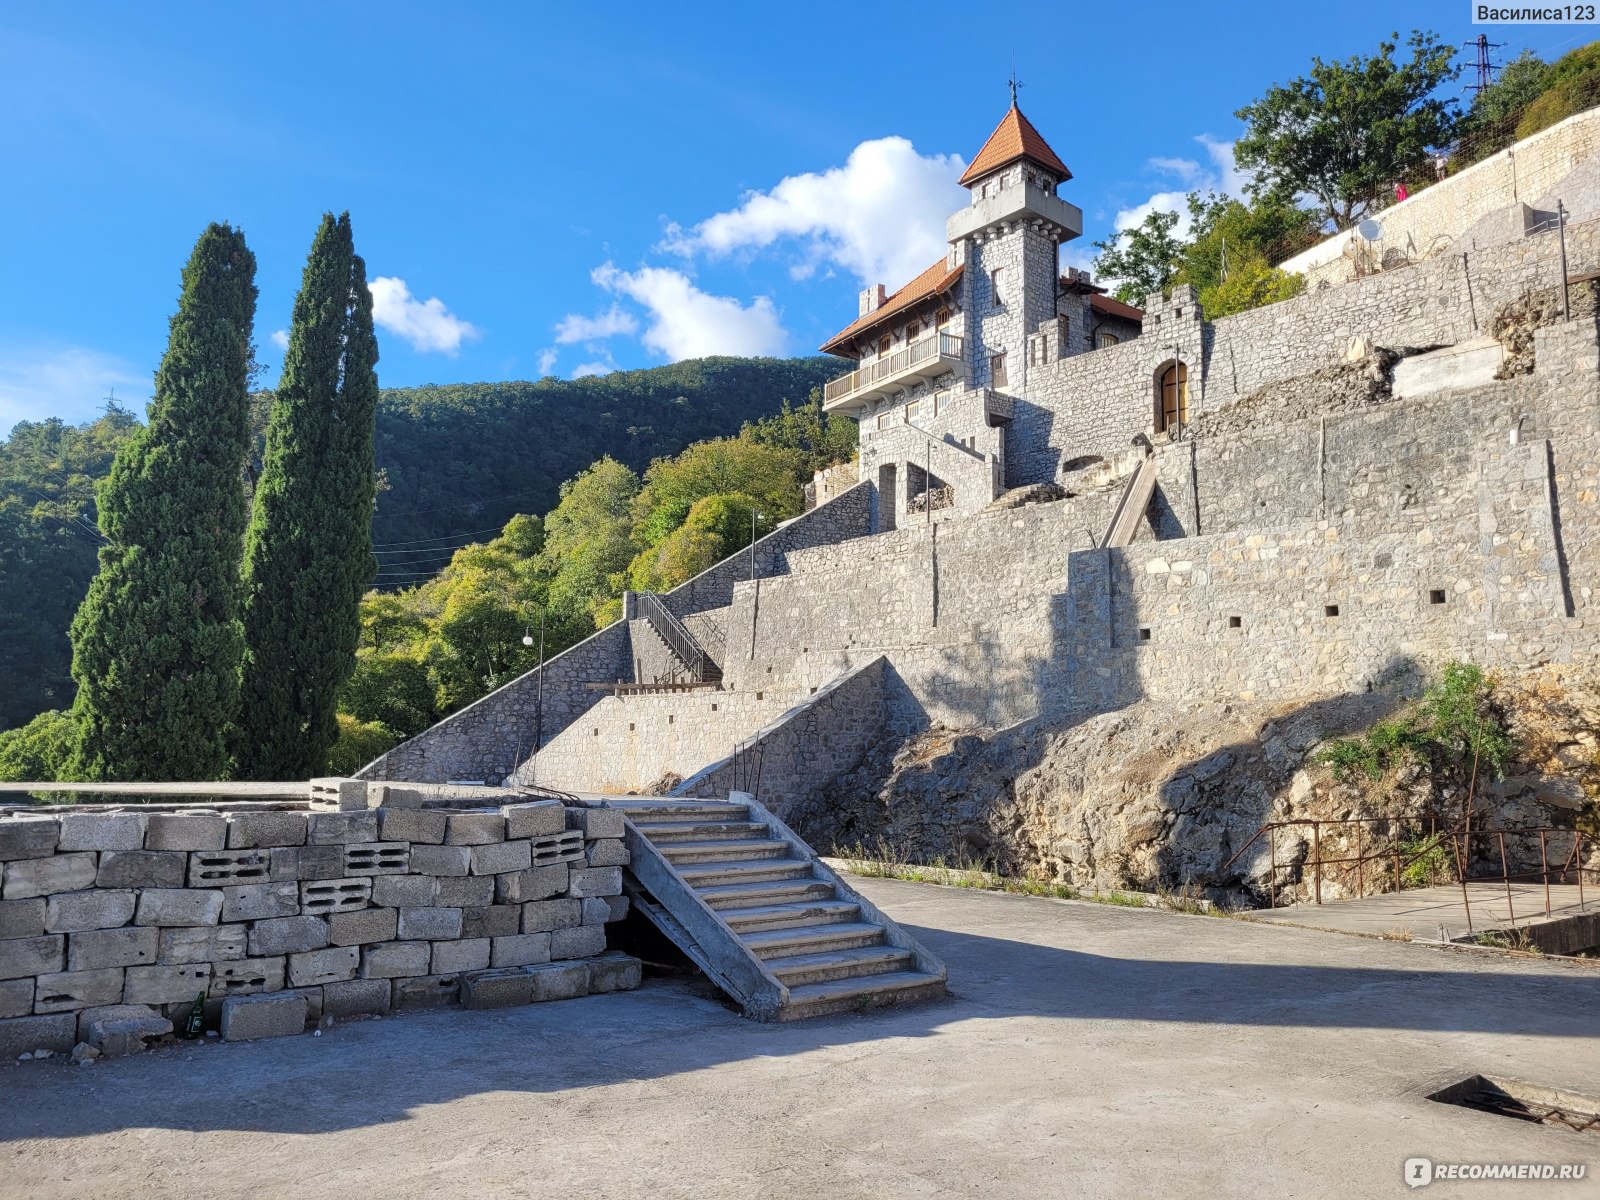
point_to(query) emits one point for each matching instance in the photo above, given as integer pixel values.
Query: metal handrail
(674, 633)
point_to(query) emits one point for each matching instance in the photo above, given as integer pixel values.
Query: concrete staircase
(754, 908)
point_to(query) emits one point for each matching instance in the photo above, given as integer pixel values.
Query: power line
(443, 537)
(418, 512)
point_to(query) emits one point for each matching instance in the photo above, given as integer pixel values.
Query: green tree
(48, 551)
(40, 751)
(308, 553)
(1143, 259)
(1490, 124)
(716, 527)
(358, 743)
(770, 475)
(588, 542)
(824, 439)
(1348, 131)
(156, 642)
(1571, 86)
(1231, 248)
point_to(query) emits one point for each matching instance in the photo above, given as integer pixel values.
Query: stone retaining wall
(487, 740)
(284, 918)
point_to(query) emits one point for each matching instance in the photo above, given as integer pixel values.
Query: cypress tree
(157, 642)
(308, 552)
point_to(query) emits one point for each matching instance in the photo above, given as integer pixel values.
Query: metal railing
(677, 637)
(1395, 843)
(936, 345)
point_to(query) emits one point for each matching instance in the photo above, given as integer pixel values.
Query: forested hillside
(459, 458)
(456, 460)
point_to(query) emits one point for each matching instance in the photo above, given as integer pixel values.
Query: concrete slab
(1089, 1051)
(1422, 912)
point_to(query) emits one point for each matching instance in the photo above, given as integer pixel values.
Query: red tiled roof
(936, 280)
(1116, 308)
(1014, 138)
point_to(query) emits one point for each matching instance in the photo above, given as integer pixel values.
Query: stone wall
(488, 739)
(281, 918)
(1432, 221)
(628, 743)
(819, 739)
(1096, 404)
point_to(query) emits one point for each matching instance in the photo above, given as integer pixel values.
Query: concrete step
(651, 812)
(787, 916)
(861, 994)
(750, 895)
(801, 969)
(663, 832)
(761, 870)
(812, 939)
(679, 853)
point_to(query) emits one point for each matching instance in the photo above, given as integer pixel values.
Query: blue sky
(564, 189)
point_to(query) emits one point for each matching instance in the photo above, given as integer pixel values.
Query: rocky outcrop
(1158, 797)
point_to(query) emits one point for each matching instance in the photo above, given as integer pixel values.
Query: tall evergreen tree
(308, 552)
(156, 642)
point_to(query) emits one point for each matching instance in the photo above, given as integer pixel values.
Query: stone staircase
(755, 908)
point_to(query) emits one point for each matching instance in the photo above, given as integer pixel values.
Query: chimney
(874, 298)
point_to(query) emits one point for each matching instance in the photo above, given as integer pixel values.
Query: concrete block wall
(342, 913)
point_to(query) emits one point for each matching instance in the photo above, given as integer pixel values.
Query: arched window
(1172, 398)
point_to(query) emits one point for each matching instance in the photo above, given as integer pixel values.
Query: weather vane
(1015, 84)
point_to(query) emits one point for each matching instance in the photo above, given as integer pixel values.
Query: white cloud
(1220, 174)
(685, 322)
(425, 324)
(592, 368)
(70, 382)
(615, 320)
(1183, 168)
(880, 216)
(547, 360)
(280, 338)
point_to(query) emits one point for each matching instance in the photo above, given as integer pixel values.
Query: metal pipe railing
(1431, 835)
(674, 633)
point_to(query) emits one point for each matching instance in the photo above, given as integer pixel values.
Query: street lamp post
(754, 516)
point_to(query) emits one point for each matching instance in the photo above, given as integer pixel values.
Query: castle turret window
(997, 370)
(997, 286)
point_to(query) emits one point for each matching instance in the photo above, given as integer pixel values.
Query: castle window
(883, 345)
(997, 370)
(943, 318)
(912, 411)
(883, 421)
(997, 283)
(1172, 398)
(1102, 338)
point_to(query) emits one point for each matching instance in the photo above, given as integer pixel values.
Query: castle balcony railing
(926, 358)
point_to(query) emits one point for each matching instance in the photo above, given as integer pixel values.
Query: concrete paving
(1421, 911)
(1089, 1051)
